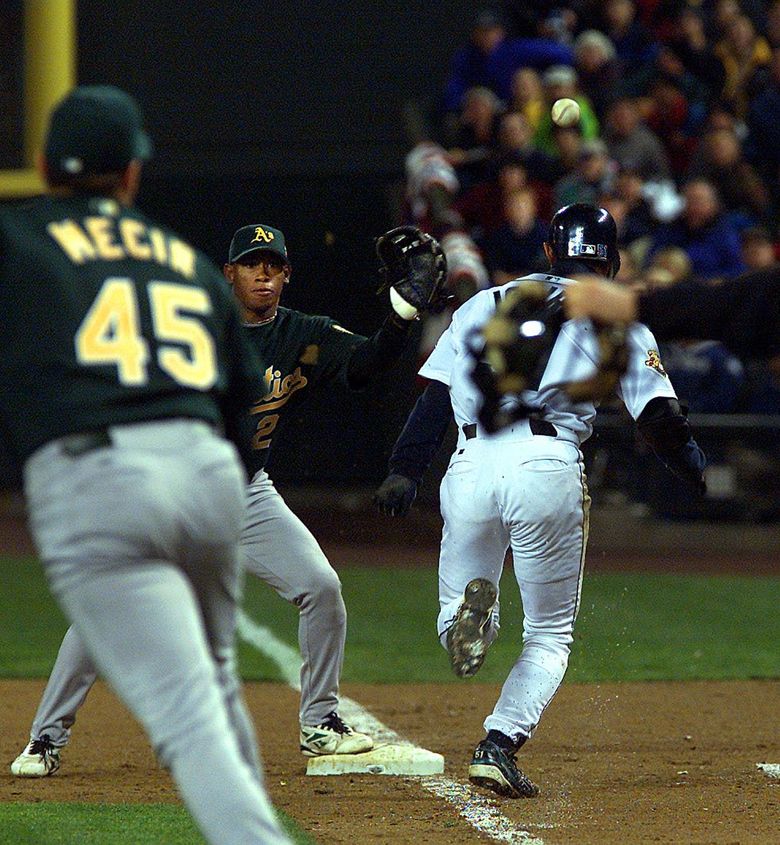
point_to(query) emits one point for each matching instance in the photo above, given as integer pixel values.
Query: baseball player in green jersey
(135, 500)
(302, 352)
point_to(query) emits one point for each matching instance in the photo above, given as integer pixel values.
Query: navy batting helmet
(586, 233)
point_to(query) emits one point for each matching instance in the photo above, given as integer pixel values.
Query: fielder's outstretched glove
(395, 495)
(413, 263)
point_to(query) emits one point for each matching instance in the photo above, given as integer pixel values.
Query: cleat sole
(466, 640)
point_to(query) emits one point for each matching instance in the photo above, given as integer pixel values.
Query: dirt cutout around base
(616, 763)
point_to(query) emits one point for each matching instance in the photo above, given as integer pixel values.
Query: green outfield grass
(631, 627)
(55, 823)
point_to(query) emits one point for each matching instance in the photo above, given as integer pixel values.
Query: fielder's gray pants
(279, 549)
(139, 544)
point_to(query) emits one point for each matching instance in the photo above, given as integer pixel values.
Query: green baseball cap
(95, 129)
(255, 237)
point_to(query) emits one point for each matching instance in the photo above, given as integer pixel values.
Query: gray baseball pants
(279, 549)
(139, 544)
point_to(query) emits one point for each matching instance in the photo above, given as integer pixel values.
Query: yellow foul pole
(50, 64)
(49, 73)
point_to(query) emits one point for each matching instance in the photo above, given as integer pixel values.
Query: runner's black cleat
(493, 767)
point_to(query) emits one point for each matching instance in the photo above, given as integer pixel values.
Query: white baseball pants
(528, 495)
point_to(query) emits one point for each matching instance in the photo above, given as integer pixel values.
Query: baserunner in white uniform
(524, 488)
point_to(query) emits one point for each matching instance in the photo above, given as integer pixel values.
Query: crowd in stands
(679, 138)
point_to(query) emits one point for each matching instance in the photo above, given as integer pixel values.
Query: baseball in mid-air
(565, 112)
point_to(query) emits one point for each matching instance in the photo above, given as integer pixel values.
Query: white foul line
(479, 812)
(263, 639)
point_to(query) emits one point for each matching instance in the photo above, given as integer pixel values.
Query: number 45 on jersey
(110, 333)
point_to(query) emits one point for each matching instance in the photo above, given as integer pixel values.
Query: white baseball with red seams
(565, 112)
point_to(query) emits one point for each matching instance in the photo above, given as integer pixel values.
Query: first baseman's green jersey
(107, 318)
(301, 351)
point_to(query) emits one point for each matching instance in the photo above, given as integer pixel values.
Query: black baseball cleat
(493, 767)
(467, 637)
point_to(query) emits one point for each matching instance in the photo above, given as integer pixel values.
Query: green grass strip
(57, 823)
(631, 626)
(31, 624)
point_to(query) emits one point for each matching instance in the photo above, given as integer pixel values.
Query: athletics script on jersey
(280, 389)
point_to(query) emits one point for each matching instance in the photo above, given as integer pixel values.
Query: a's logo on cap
(262, 235)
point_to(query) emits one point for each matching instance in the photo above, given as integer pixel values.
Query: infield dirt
(617, 763)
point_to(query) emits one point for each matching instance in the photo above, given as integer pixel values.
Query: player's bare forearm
(603, 301)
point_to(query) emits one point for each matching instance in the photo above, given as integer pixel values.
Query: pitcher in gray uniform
(135, 500)
(303, 352)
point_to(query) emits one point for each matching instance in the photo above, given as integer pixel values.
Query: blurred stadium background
(261, 113)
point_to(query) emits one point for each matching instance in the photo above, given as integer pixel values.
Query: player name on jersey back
(107, 238)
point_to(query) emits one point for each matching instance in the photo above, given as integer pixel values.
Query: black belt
(75, 445)
(537, 426)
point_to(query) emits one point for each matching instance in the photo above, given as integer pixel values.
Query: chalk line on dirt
(478, 811)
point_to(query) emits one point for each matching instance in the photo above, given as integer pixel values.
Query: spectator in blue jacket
(707, 378)
(704, 232)
(491, 58)
(634, 44)
(516, 247)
